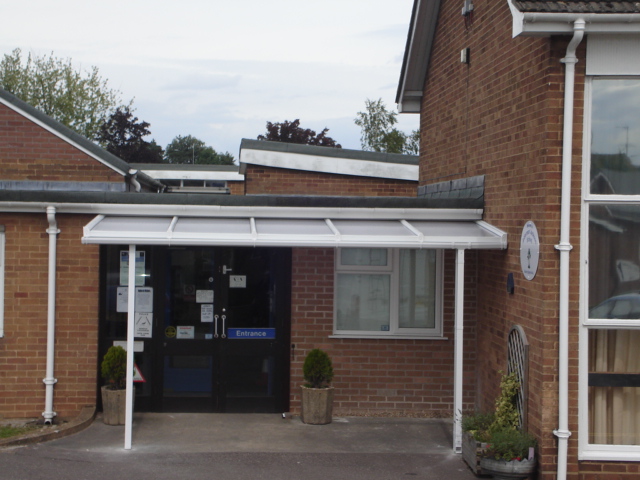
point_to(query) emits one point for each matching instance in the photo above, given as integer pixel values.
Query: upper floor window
(615, 136)
(388, 292)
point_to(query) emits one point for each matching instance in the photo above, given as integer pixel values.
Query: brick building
(542, 100)
(238, 273)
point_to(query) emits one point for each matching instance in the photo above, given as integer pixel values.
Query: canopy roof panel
(291, 232)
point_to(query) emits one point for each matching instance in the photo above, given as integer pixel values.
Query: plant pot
(511, 470)
(317, 405)
(114, 406)
(472, 452)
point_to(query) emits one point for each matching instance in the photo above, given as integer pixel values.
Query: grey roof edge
(22, 197)
(112, 161)
(185, 166)
(417, 55)
(327, 152)
(577, 6)
(470, 188)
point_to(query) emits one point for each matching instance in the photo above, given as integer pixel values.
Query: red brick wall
(23, 350)
(261, 180)
(501, 116)
(236, 188)
(375, 376)
(29, 152)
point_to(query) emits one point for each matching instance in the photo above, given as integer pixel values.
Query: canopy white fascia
(292, 232)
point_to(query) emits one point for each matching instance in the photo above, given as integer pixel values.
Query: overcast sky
(219, 70)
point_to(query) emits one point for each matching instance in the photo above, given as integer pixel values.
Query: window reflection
(614, 262)
(615, 137)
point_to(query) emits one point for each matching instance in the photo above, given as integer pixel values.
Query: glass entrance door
(223, 330)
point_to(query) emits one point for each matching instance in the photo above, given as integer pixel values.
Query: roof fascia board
(452, 214)
(544, 24)
(62, 136)
(286, 241)
(192, 175)
(333, 165)
(417, 55)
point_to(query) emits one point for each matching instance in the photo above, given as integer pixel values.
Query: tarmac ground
(239, 447)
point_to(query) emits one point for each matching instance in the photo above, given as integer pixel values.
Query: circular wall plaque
(529, 250)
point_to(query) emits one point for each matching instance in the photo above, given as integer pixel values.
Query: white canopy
(286, 231)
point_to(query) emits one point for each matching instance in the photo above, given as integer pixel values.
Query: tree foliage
(378, 133)
(192, 150)
(291, 132)
(78, 99)
(122, 135)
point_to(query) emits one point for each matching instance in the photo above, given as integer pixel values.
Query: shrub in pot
(317, 393)
(114, 372)
(510, 452)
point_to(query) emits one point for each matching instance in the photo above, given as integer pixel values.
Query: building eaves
(417, 55)
(577, 6)
(329, 152)
(21, 200)
(327, 160)
(169, 171)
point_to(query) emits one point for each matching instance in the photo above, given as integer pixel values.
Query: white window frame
(586, 450)
(393, 270)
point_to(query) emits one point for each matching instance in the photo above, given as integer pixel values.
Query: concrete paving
(244, 446)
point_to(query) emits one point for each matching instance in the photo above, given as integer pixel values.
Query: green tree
(378, 133)
(192, 150)
(80, 100)
(122, 135)
(291, 132)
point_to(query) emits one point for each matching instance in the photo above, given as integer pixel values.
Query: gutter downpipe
(49, 380)
(564, 247)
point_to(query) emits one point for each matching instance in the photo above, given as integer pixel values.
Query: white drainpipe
(49, 380)
(565, 247)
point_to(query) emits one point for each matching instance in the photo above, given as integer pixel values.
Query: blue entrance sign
(251, 333)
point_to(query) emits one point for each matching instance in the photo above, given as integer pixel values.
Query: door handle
(215, 326)
(224, 331)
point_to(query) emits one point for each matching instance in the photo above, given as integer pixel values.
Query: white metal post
(131, 303)
(458, 350)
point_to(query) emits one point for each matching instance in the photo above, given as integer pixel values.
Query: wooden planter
(317, 405)
(472, 452)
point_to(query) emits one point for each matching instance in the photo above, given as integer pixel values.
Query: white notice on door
(187, 332)
(206, 313)
(143, 325)
(204, 296)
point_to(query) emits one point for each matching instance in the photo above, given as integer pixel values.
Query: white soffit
(292, 232)
(334, 165)
(613, 54)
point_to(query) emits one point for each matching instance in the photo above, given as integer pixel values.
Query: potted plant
(509, 455)
(317, 394)
(510, 452)
(114, 371)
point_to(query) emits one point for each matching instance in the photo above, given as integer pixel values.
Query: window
(610, 337)
(388, 292)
